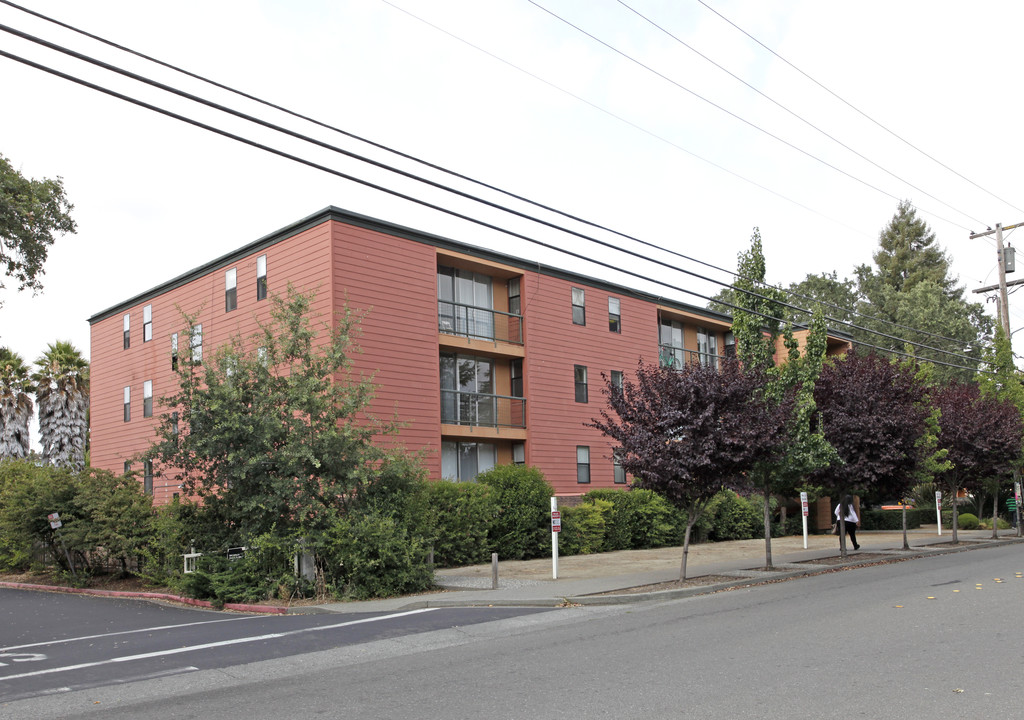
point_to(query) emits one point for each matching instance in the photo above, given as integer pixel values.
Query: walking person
(850, 515)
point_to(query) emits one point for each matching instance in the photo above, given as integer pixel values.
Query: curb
(238, 607)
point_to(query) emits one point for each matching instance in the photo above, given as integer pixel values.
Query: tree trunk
(686, 544)
(906, 545)
(842, 531)
(767, 532)
(955, 515)
(995, 514)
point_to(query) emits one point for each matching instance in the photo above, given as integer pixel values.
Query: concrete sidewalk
(582, 578)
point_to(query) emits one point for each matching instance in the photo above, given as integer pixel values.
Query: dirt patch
(117, 583)
(853, 557)
(701, 581)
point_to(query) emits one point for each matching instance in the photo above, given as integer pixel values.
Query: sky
(598, 114)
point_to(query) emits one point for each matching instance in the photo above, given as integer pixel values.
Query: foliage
(461, 518)
(15, 405)
(61, 385)
(834, 297)
(583, 527)
(685, 433)
(982, 434)
(521, 529)
(967, 521)
(636, 519)
(31, 212)
(375, 556)
(734, 517)
(892, 519)
(28, 493)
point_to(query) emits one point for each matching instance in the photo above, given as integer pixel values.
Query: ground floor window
(463, 461)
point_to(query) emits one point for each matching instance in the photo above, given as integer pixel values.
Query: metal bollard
(494, 571)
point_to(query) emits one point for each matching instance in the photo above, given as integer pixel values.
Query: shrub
(636, 519)
(967, 521)
(890, 519)
(521, 528)
(734, 517)
(461, 517)
(28, 493)
(374, 556)
(583, 527)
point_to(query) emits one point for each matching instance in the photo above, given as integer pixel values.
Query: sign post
(804, 511)
(938, 509)
(56, 525)
(556, 527)
(1016, 494)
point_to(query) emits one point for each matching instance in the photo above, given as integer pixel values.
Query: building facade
(484, 358)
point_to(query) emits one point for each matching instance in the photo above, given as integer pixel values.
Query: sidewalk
(581, 578)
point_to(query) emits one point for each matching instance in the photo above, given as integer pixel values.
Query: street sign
(803, 504)
(54, 519)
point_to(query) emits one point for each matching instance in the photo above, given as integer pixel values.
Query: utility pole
(1004, 303)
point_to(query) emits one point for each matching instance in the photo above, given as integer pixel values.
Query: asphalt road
(931, 638)
(52, 643)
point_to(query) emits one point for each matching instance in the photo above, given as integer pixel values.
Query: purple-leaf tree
(686, 433)
(982, 435)
(872, 413)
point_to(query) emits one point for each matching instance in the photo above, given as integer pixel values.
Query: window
(516, 377)
(147, 477)
(197, 343)
(127, 328)
(127, 466)
(518, 454)
(127, 404)
(465, 303)
(147, 399)
(174, 423)
(174, 352)
(671, 343)
(467, 390)
(619, 473)
(707, 347)
(580, 377)
(614, 315)
(730, 345)
(462, 462)
(617, 379)
(230, 290)
(515, 306)
(582, 464)
(261, 277)
(147, 323)
(579, 307)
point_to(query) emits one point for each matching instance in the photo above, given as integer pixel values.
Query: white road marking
(206, 646)
(125, 632)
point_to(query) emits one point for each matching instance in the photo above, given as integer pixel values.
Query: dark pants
(851, 532)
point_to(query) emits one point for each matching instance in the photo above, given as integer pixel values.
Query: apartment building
(485, 358)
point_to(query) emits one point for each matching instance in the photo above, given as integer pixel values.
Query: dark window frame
(128, 403)
(127, 326)
(147, 477)
(579, 309)
(174, 352)
(147, 399)
(615, 319)
(583, 466)
(261, 278)
(231, 289)
(579, 376)
(147, 323)
(616, 379)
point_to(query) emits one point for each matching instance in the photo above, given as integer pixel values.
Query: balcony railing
(480, 409)
(676, 357)
(479, 323)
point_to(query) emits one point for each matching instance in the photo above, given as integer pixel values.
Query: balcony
(676, 357)
(482, 410)
(477, 323)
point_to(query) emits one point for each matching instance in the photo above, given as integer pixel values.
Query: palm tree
(62, 394)
(15, 405)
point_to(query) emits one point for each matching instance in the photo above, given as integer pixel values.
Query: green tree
(15, 405)
(31, 213)
(62, 398)
(272, 434)
(837, 298)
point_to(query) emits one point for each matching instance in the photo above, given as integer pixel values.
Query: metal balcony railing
(676, 357)
(479, 323)
(481, 409)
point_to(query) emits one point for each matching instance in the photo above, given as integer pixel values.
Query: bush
(28, 493)
(374, 556)
(890, 519)
(637, 519)
(734, 517)
(967, 521)
(460, 519)
(583, 527)
(522, 526)
(986, 524)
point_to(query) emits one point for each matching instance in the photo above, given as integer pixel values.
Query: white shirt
(850, 516)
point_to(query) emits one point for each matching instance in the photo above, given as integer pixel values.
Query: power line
(472, 180)
(734, 115)
(858, 110)
(794, 114)
(409, 198)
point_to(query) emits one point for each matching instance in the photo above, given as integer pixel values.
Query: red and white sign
(556, 521)
(54, 519)
(803, 504)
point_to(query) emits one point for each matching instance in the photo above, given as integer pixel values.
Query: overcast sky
(505, 92)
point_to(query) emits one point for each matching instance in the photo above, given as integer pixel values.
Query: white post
(938, 508)
(554, 538)
(803, 511)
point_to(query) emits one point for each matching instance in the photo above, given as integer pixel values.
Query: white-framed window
(580, 382)
(463, 461)
(197, 343)
(230, 290)
(670, 343)
(616, 379)
(261, 277)
(174, 351)
(147, 398)
(147, 323)
(127, 331)
(583, 464)
(618, 472)
(127, 404)
(707, 347)
(614, 315)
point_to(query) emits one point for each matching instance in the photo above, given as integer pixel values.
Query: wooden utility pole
(1004, 303)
